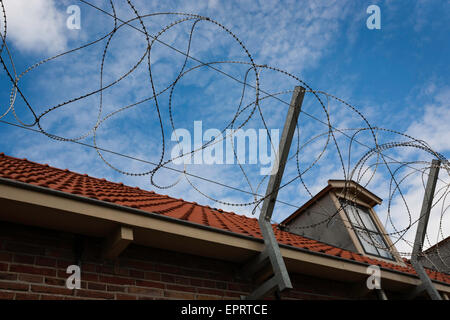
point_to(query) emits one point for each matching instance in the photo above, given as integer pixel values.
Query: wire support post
(417, 254)
(271, 254)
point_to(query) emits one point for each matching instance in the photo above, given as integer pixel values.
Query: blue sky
(397, 77)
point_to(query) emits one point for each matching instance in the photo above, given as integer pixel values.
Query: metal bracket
(381, 294)
(271, 253)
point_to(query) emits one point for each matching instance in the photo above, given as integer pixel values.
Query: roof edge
(332, 185)
(36, 188)
(353, 184)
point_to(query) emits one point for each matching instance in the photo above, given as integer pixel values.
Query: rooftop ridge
(121, 184)
(2, 154)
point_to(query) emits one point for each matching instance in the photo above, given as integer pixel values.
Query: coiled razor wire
(363, 172)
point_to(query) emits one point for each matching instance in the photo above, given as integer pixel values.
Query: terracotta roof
(66, 181)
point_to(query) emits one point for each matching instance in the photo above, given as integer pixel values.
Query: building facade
(136, 244)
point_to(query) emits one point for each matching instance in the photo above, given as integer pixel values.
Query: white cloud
(35, 25)
(433, 126)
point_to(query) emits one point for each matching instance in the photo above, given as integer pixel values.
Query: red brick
(8, 276)
(179, 295)
(89, 267)
(180, 288)
(27, 296)
(174, 279)
(167, 278)
(209, 283)
(23, 248)
(62, 274)
(26, 259)
(4, 267)
(116, 280)
(6, 295)
(153, 276)
(182, 280)
(207, 297)
(121, 296)
(238, 287)
(193, 273)
(46, 262)
(151, 284)
(74, 298)
(51, 297)
(145, 291)
(167, 269)
(105, 269)
(220, 276)
(95, 294)
(121, 271)
(211, 291)
(31, 278)
(63, 264)
(32, 270)
(137, 274)
(196, 282)
(298, 295)
(53, 290)
(235, 295)
(97, 286)
(89, 276)
(59, 253)
(140, 265)
(55, 281)
(13, 286)
(115, 288)
(4, 256)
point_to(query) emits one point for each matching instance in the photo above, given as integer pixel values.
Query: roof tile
(83, 185)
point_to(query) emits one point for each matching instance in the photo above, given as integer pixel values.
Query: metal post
(381, 294)
(282, 155)
(427, 284)
(280, 280)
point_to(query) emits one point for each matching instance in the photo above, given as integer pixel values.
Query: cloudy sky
(396, 78)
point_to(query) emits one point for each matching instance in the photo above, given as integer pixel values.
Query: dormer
(342, 215)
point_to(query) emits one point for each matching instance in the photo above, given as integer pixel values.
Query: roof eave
(284, 247)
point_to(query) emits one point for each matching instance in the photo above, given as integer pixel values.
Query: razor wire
(362, 172)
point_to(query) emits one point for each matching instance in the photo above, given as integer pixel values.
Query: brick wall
(33, 264)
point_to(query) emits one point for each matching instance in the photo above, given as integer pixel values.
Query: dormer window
(366, 230)
(342, 215)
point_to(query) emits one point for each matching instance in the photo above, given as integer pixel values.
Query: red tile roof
(45, 176)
